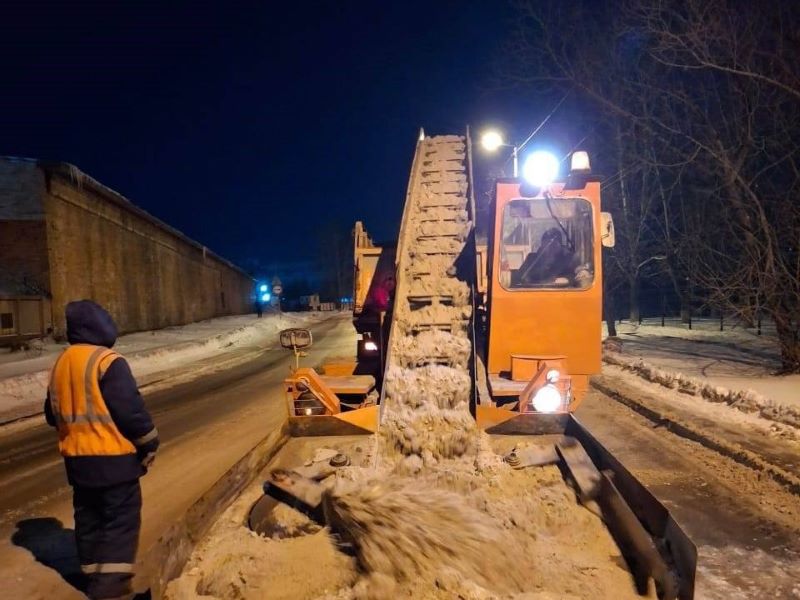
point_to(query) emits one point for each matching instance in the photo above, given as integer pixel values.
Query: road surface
(205, 426)
(745, 526)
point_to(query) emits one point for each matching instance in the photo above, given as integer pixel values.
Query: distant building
(310, 302)
(65, 236)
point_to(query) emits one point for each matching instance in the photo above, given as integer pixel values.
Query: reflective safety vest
(85, 427)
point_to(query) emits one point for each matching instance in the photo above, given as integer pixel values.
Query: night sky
(251, 126)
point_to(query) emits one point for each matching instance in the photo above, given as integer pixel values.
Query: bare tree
(706, 95)
(740, 83)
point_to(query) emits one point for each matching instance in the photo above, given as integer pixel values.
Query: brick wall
(23, 248)
(147, 276)
(23, 258)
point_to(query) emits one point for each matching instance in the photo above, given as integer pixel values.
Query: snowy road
(206, 425)
(745, 526)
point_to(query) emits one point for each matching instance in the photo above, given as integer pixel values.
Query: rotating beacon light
(540, 168)
(548, 398)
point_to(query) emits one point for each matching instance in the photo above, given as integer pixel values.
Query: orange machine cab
(545, 285)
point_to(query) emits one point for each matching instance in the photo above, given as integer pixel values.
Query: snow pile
(448, 387)
(747, 401)
(404, 531)
(152, 355)
(476, 530)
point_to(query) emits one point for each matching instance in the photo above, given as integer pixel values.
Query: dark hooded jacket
(89, 323)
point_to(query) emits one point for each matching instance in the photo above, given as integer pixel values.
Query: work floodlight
(540, 168)
(491, 141)
(263, 288)
(265, 297)
(547, 399)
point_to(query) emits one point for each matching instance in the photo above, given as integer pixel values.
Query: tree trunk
(789, 340)
(686, 306)
(634, 301)
(610, 314)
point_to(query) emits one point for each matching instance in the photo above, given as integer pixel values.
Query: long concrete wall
(101, 246)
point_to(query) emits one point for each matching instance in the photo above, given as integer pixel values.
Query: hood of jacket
(90, 323)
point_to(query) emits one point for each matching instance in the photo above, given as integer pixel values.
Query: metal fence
(665, 307)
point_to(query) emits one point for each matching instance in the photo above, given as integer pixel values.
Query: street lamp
(492, 140)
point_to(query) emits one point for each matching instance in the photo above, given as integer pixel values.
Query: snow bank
(736, 358)
(152, 355)
(746, 400)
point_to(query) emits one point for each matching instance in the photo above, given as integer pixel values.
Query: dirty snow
(153, 355)
(444, 533)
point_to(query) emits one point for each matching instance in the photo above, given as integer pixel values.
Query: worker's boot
(110, 586)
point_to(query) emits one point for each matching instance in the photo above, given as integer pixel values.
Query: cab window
(547, 243)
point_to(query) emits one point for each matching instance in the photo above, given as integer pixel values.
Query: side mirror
(296, 339)
(607, 230)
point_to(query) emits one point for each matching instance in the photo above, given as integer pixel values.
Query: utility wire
(544, 122)
(576, 146)
(539, 127)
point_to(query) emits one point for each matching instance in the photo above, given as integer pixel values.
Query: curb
(166, 558)
(730, 450)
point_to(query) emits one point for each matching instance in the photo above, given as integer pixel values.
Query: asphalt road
(744, 525)
(205, 426)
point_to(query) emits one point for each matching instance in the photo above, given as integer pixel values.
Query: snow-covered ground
(153, 355)
(736, 358)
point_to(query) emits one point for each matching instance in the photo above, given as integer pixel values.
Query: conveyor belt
(432, 298)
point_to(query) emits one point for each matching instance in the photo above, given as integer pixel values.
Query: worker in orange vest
(108, 441)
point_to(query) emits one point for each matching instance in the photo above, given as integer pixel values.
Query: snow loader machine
(521, 313)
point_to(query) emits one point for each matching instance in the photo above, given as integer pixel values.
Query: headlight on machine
(540, 168)
(370, 346)
(548, 399)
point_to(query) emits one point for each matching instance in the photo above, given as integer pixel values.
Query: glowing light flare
(491, 141)
(370, 346)
(266, 297)
(540, 168)
(580, 162)
(263, 288)
(547, 399)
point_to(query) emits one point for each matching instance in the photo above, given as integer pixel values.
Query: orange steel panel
(323, 393)
(525, 366)
(349, 384)
(488, 416)
(339, 368)
(365, 418)
(545, 322)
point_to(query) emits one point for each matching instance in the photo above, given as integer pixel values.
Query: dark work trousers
(107, 521)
